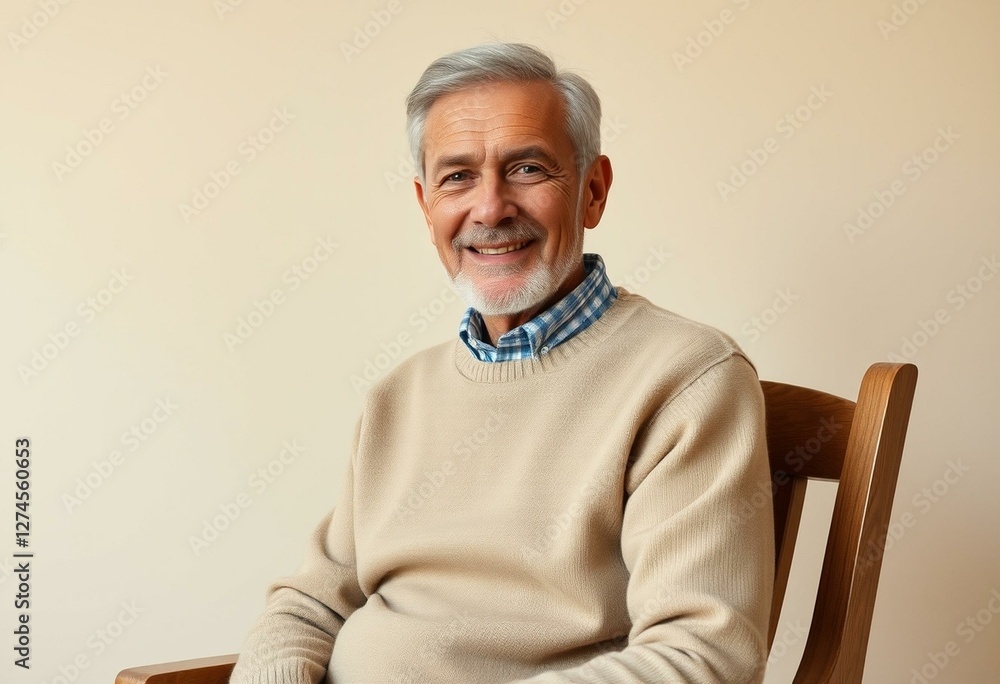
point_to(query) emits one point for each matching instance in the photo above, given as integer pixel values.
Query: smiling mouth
(502, 249)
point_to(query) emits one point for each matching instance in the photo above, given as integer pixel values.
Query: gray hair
(510, 62)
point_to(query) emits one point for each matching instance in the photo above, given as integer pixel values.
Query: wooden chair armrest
(215, 670)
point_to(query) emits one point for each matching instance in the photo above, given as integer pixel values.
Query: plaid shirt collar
(570, 315)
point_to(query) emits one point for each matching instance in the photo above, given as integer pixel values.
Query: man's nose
(492, 201)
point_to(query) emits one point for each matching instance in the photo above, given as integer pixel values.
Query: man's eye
(455, 177)
(529, 168)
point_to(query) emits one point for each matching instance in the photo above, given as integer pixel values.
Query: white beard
(541, 283)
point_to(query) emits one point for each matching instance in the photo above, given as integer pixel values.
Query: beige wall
(865, 102)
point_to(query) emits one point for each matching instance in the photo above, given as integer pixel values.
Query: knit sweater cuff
(281, 672)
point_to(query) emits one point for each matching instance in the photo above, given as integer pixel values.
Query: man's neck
(497, 326)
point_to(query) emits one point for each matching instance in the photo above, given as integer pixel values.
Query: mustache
(513, 230)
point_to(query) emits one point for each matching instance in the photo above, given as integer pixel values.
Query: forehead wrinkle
(513, 136)
(459, 101)
(493, 122)
(538, 111)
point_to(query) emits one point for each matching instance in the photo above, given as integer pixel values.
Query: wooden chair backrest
(812, 435)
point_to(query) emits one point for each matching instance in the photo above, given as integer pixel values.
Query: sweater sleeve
(291, 642)
(697, 540)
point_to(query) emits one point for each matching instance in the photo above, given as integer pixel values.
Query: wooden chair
(811, 435)
(816, 436)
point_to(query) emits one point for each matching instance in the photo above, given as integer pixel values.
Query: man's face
(501, 173)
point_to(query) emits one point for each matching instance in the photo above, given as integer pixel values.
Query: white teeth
(500, 250)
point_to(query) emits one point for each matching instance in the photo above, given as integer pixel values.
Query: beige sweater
(580, 517)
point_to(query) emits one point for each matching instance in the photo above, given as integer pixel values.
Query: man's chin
(499, 301)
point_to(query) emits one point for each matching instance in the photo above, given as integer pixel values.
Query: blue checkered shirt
(570, 315)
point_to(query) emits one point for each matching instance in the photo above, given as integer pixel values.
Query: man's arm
(697, 541)
(291, 642)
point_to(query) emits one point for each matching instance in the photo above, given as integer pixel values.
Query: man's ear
(422, 201)
(595, 191)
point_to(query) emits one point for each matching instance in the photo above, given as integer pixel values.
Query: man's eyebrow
(449, 160)
(465, 159)
(530, 152)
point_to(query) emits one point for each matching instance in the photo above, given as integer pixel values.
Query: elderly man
(554, 496)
